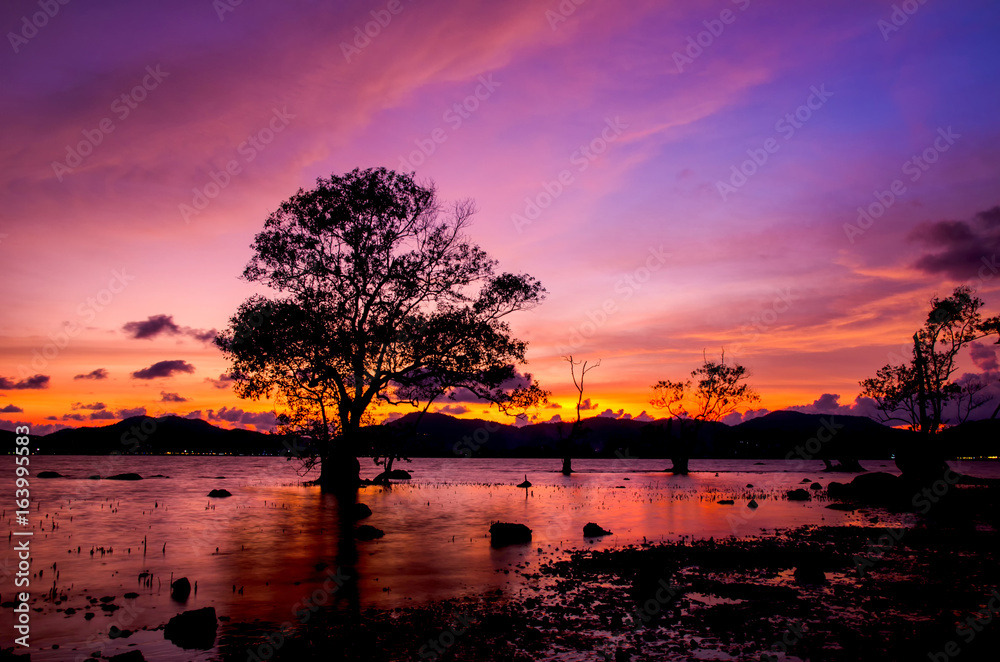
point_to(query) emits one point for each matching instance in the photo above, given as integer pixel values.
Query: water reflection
(267, 551)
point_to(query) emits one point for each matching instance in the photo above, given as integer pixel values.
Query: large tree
(377, 296)
(917, 394)
(715, 390)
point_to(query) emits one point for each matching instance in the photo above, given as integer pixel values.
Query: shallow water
(279, 541)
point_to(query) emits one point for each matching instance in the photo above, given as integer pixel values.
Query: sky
(788, 182)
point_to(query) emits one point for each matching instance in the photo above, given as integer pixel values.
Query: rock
(652, 581)
(752, 503)
(876, 488)
(366, 532)
(114, 632)
(131, 656)
(94, 477)
(815, 486)
(180, 589)
(749, 484)
(878, 484)
(400, 474)
(131, 595)
(220, 493)
(504, 533)
(725, 502)
(810, 574)
(591, 530)
(362, 511)
(841, 506)
(49, 474)
(797, 495)
(806, 480)
(124, 477)
(193, 629)
(837, 490)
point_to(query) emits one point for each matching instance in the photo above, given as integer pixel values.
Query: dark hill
(167, 434)
(973, 439)
(779, 432)
(439, 435)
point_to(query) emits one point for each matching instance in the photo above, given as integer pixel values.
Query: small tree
(381, 297)
(716, 389)
(577, 430)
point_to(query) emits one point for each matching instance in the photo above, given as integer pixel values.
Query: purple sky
(499, 102)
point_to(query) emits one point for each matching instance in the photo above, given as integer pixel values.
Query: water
(280, 541)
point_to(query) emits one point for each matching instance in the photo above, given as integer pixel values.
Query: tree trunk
(681, 447)
(850, 464)
(340, 473)
(680, 467)
(383, 478)
(922, 462)
(925, 427)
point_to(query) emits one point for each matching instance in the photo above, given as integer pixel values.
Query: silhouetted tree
(917, 393)
(381, 298)
(716, 391)
(577, 430)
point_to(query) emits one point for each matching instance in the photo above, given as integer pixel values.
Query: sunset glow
(766, 178)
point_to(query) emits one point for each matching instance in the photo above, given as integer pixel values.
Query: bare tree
(577, 430)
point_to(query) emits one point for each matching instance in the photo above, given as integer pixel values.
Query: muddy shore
(875, 592)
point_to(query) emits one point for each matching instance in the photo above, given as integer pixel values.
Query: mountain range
(438, 435)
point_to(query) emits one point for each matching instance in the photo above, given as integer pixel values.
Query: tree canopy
(718, 389)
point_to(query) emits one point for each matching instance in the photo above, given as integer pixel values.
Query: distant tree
(381, 298)
(577, 430)
(917, 394)
(715, 390)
